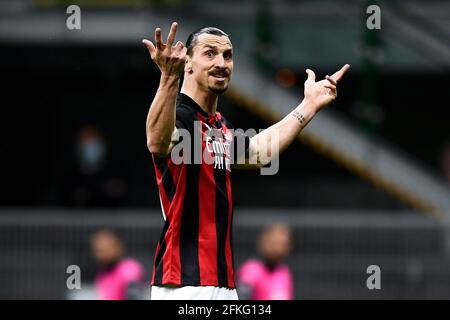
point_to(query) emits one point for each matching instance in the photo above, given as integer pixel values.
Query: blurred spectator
(119, 277)
(92, 182)
(268, 278)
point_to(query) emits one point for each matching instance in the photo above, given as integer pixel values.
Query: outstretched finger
(338, 74)
(172, 32)
(331, 80)
(311, 75)
(151, 48)
(158, 39)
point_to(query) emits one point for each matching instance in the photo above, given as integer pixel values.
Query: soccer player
(268, 278)
(194, 258)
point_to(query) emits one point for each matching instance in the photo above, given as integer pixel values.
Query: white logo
(74, 20)
(218, 150)
(374, 20)
(374, 281)
(74, 280)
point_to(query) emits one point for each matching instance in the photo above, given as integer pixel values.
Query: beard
(216, 86)
(218, 90)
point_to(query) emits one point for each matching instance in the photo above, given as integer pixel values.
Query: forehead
(277, 232)
(206, 40)
(103, 237)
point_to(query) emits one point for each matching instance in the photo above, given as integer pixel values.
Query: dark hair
(193, 37)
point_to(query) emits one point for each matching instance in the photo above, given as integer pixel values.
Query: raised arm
(161, 117)
(317, 95)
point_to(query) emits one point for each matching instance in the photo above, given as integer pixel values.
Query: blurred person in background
(118, 277)
(92, 182)
(268, 278)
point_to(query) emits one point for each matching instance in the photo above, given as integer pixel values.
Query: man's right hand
(169, 59)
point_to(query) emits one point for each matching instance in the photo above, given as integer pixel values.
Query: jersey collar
(186, 100)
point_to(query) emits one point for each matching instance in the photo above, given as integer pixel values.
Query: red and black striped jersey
(195, 247)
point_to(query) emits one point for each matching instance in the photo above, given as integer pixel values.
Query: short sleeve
(184, 118)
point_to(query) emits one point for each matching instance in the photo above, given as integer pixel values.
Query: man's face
(211, 64)
(275, 244)
(105, 248)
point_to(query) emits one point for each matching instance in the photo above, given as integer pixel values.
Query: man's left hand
(320, 94)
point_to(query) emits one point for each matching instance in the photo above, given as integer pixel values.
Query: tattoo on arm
(297, 115)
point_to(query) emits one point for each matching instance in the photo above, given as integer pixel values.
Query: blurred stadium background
(367, 183)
